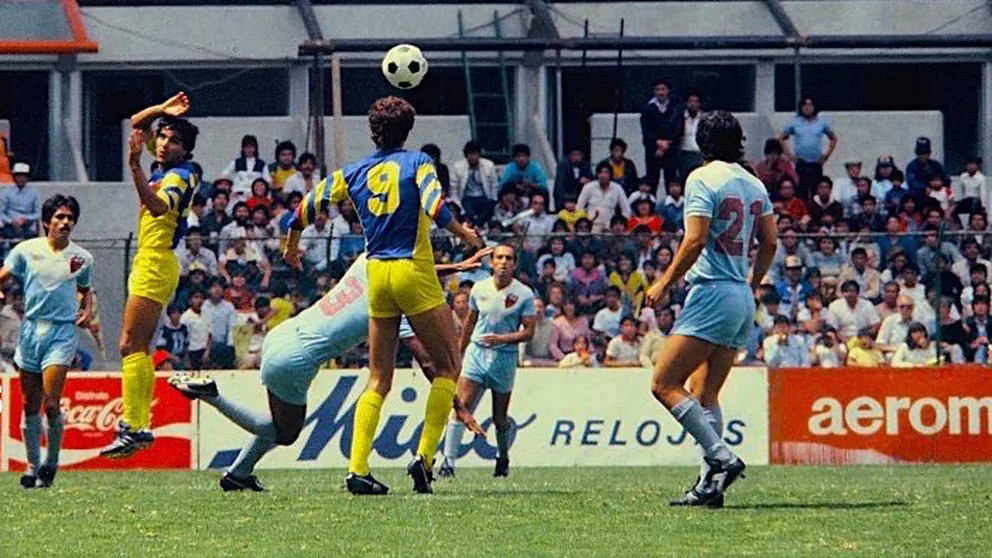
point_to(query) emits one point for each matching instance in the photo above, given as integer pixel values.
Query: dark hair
(628, 318)
(196, 291)
(617, 142)
(249, 139)
(306, 156)
(613, 289)
(53, 203)
(618, 219)
(859, 251)
(238, 206)
(292, 195)
(980, 299)
(466, 284)
(897, 176)
(802, 101)
(850, 283)
(915, 326)
(604, 166)
(520, 149)
(198, 199)
(433, 150)
(285, 146)
(219, 193)
(771, 297)
(173, 307)
(261, 302)
(930, 227)
(256, 181)
(186, 131)
(720, 137)
(193, 230)
(772, 145)
(978, 267)
(694, 93)
(390, 121)
(826, 179)
(865, 332)
(472, 146)
(780, 319)
(661, 81)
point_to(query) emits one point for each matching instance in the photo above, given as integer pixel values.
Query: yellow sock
(148, 391)
(435, 417)
(132, 390)
(366, 422)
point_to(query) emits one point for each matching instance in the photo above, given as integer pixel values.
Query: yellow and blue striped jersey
(394, 192)
(175, 186)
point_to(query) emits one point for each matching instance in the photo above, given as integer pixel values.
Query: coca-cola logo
(94, 418)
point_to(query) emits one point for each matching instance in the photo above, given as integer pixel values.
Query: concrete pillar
(985, 114)
(56, 142)
(299, 91)
(764, 104)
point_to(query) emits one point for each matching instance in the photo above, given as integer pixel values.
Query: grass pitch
(569, 512)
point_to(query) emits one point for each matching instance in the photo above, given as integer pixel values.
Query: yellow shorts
(399, 287)
(154, 275)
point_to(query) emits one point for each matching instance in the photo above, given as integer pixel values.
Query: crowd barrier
(560, 417)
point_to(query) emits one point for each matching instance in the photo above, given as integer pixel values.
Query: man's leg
(53, 379)
(436, 330)
(501, 420)
(32, 390)
(286, 422)
(679, 357)
(383, 334)
(705, 385)
(468, 395)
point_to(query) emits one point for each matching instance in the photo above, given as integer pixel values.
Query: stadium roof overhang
(43, 27)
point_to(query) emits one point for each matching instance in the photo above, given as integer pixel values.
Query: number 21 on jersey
(384, 184)
(730, 241)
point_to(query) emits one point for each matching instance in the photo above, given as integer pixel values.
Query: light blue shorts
(287, 370)
(721, 312)
(43, 343)
(493, 369)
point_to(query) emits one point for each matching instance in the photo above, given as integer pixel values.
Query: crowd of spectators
(870, 266)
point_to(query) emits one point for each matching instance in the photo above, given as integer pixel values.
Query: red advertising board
(91, 407)
(842, 416)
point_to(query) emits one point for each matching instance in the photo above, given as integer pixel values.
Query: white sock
(453, 441)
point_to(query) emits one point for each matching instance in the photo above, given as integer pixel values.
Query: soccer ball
(404, 66)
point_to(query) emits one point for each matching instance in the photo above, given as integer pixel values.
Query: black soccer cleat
(502, 467)
(446, 471)
(231, 483)
(194, 387)
(720, 477)
(422, 476)
(127, 442)
(29, 481)
(46, 476)
(365, 485)
(693, 497)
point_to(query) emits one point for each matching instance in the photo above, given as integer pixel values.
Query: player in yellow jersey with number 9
(395, 192)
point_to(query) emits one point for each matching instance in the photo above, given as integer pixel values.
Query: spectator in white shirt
(607, 320)
(580, 357)
(534, 224)
(782, 349)
(850, 313)
(916, 350)
(691, 158)
(623, 351)
(536, 351)
(602, 198)
(564, 260)
(846, 187)
(972, 258)
(314, 239)
(828, 351)
(474, 184)
(199, 331)
(895, 327)
(340, 225)
(306, 179)
(245, 169)
(220, 315)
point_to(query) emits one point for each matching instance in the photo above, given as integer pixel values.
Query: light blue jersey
(734, 200)
(338, 321)
(50, 278)
(500, 310)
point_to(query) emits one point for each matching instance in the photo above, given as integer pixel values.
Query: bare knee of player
(133, 337)
(380, 382)
(287, 432)
(52, 407)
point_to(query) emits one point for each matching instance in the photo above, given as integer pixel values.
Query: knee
(501, 423)
(287, 436)
(662, 390)
(128, 345)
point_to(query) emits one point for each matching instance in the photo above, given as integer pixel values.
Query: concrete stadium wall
(220, 138)
(861, 135)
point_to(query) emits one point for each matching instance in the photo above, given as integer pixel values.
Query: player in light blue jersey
(725, 209)
(291, 356)
(501, 315)
(53, 270)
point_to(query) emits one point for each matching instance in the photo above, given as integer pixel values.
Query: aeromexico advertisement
(559, 417)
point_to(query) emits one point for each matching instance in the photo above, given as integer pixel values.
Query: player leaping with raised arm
(165, 200)
(501, 316)
(291, 355)
(396, 194)
(725, 208)
(53, 269)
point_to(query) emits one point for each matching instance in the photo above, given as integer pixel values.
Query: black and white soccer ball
(404, 66)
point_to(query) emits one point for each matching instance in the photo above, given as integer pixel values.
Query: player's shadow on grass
(499, 493)
(820, 506)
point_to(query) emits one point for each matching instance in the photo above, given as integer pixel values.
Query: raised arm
(149, 198)
(313, 203)
(432, 201)
(177, 105)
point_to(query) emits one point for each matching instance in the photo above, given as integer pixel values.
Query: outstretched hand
(475, 261)
(468, 419)
(135, 144)
(177, 105)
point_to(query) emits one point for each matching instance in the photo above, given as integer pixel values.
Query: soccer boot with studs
(365, 485)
